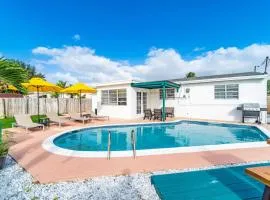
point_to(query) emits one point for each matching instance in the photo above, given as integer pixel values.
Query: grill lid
(251, 107)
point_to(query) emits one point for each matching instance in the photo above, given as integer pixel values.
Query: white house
(208, 97)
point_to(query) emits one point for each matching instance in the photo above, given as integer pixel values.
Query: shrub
(3, 149)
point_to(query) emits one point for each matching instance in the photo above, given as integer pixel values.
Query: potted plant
(3, 153)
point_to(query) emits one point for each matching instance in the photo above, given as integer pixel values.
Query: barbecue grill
(251, 110)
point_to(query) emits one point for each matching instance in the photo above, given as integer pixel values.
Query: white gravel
(16, 183)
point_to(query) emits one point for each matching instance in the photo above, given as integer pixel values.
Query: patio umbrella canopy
(12, 88)
(79, 88)
(40, 85)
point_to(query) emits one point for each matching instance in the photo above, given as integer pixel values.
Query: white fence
(11, 106)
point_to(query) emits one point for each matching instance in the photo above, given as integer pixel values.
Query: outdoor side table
(261, 174)
(45, 121)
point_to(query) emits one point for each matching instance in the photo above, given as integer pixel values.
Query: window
(105, 97)
(122, 97)
(170, 93)
(139, 102)
(144, 100)
(114, 97)
(230, 91)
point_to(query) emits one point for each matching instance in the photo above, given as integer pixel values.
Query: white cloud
(76, 37)
(54, 77)
(196, 49)
(84, 64)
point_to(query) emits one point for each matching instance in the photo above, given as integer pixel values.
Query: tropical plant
(3, 149)
(62, 84)
(190, 75)
(31, 70)
(11, 73)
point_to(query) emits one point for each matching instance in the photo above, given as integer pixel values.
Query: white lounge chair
(54, 118)
(26, 122)
(94, 116)
(78, 117)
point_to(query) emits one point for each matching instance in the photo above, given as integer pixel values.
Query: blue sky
(126, 32)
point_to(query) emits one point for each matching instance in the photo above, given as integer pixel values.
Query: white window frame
(167, 92)
(112, 97)
(226, 91)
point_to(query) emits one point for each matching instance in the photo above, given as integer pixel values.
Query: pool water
(231, 183)
(159, 135)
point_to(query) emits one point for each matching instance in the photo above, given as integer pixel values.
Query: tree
(12, 73)
(190, 75)
(62, 84)
(31, 70)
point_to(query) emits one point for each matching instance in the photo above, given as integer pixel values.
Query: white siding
(199, 103)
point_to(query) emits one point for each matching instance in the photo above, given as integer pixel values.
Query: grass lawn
(7, 122)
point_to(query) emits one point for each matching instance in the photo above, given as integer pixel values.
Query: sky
(102, 41)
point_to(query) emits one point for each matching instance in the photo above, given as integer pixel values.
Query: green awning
(156, 85)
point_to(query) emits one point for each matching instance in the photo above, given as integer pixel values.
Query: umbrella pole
(38, 102)
(80, 102)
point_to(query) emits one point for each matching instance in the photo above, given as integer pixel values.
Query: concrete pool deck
(46, 167)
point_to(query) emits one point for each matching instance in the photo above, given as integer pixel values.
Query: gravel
(16, 183)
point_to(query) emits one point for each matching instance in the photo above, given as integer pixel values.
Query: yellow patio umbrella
(79, 88)
(40, 85)
(11, 87)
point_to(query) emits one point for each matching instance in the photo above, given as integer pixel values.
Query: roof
(155, 84)
(220, 76)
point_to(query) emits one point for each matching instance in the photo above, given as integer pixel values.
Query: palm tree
(190, 75)
(12, 73)
(31, 70)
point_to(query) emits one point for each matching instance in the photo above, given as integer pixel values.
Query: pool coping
(49, 145)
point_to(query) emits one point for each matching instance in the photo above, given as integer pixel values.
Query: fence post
(27, 105)
(4, 108)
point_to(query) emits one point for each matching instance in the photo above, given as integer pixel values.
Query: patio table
(261, 174)
(45, 121)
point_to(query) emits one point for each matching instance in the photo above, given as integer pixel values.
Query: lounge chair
(26, 122)
(78, 117)
(92, 115)
(169, 111)
(157, 114)
(54, 118)
(148, 114)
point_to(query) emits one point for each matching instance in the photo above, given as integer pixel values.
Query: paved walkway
(46, 167)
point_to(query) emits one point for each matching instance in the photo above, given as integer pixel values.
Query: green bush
(3, 149)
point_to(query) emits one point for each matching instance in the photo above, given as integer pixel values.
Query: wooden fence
(11, 106)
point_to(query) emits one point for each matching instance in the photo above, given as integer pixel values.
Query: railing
(133, 141)
(109, 146)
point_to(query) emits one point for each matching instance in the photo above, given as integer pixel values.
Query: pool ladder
(133, 142)
(109, 146)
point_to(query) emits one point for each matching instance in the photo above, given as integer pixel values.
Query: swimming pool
(222, 183)
(156, 136)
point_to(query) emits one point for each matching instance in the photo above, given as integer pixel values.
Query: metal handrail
(109, 146)
(133, 141)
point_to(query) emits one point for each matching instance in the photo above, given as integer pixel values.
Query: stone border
(49, 145)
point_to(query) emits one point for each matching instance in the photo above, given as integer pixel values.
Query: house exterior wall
(200, 103)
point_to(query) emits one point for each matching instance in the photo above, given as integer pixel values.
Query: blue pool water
(230, 183)
(161, 135)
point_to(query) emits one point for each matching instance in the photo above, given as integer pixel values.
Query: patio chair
(78, 117)
(169, 111)
(54, 118)
(148, 114)
(26, 122)
(93, 115)
(157, 114)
